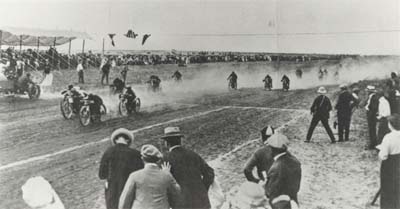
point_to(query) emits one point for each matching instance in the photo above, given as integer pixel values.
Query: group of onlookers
(148, 179)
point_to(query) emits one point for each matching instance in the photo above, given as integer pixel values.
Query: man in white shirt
(79, 69)
(390, 168)
(383, 114)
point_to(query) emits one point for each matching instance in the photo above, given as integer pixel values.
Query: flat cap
(150, 151)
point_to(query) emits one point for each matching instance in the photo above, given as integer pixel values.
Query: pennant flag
(131, 34)
(145, 37)
(111, 35)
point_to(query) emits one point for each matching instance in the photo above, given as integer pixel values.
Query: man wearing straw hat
(190, 170)
(372, 111)
(150, 187)
(284, 176)
(320, 110)
(117, 163)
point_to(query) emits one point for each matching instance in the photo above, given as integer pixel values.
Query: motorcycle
(125, 109)
(153, 85)
(67, 105)
(285, 84)
(232, 85)
(9, 88)
(267, 85)
(86, 116)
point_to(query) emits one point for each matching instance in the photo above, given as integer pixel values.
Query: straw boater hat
(278, 140)
(371, 88)
(343, 86)
(172, 132)
(128, 135)
(321, 90)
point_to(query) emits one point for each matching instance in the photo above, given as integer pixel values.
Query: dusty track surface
(334, 176)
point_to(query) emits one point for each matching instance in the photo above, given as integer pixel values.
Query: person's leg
(383, 129)
(313, 124)
(347, 128)
(341, 126)
(103, 75)
(83, 78)
(328, 129)
(371, 131)
(107, 77)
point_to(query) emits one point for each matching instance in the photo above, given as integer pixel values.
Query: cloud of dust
(213, 81)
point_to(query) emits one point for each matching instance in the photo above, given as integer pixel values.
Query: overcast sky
(248, 25)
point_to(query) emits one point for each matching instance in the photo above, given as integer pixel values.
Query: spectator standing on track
(320, 111)
(372, 111)
(284, 176)
(344, 107)
(150, 187)
(383, 114)
(124, 72)
(262, 159)
(190, 170)
(105, 72)
(117, 163)
(79, 69)
(47, 67)
(389, 153)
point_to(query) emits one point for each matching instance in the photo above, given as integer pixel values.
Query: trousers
(314, 122)
(344, 126)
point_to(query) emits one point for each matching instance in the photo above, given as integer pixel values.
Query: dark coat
(193, 175)
(117, 163)
(344, 103)
(390, 182)
(321, 106)
(284, 178)
(262, 159)
(373, 106)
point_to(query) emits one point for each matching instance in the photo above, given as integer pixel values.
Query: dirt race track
(221, 126)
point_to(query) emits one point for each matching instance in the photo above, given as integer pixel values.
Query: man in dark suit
(190, 170)
(320, 110)
(344, 108)
(372, 111)
(284, 176)
(262, 159)
(117, 163)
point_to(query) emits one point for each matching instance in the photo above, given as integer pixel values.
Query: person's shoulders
(262, 151)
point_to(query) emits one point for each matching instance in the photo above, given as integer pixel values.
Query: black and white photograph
(199, 104)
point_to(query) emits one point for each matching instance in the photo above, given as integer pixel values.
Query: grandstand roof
(30, 37)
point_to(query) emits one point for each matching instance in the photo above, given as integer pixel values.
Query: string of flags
(129, 34)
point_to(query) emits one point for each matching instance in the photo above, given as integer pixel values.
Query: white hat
(322, 90)
(371, 88)
(122, 131)
(278, 140)
(149, 150)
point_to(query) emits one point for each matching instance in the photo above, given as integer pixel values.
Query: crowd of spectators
(36, 59)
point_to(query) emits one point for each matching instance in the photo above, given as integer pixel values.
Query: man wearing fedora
(372, 111)
(190, 170)
(320, 111)
(117, 163)
(151, 187)
(284, 176)
(262, 159)
(344, 108)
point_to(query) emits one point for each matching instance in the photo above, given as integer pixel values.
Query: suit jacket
(321, 106)
(344, 103)
(194, 176)
(117, 163)
(262, 159)
(373, 106)
(284, 178)
(150, 188)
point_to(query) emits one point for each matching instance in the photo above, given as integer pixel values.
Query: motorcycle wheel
(66, 109)
(122, 108)
(138, 104)
(34, 92)
(85, 116)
